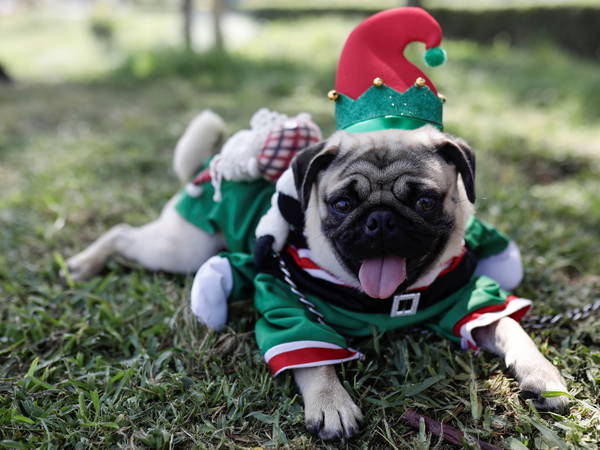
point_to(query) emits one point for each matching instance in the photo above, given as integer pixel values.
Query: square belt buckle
(400, 306)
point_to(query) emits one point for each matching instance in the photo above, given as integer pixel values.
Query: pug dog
(382, 213)
(383, 210)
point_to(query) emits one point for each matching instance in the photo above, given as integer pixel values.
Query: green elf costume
(307, 314)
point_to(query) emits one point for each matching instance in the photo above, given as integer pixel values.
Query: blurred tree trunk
(418, 3)
(187, 12)
(4, 76)
(217, 9)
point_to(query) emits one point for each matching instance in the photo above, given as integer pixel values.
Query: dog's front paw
(537, 376)
(332, 414)
(534, 386)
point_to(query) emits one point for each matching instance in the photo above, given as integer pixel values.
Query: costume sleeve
(223, 278)
(480, 303)
(289, 335)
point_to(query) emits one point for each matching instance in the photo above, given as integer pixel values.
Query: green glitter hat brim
(416, 105)
(389, 123)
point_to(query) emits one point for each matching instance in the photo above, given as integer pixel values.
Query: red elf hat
(376, 86)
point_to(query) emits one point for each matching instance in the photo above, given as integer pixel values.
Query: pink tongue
(380, 277)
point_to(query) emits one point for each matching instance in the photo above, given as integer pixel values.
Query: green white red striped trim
(296, 354)
(514, 307)
(303, 258)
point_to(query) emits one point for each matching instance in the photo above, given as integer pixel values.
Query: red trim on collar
(454, 262)
(305, 263)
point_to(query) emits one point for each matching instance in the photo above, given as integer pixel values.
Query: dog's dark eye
(425, 204)
(342, 206)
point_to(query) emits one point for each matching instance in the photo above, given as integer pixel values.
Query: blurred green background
(93, 97)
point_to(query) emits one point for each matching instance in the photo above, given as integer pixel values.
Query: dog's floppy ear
(456, 151)
(307, 165)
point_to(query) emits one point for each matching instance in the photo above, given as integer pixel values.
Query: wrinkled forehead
(357, 143)
(387, 160)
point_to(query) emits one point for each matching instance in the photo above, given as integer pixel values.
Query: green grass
(119, 360)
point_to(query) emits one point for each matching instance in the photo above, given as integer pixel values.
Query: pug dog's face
(382, 208)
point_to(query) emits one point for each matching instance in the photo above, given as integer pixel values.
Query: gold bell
(420, 82)
(377, 82)
(333, 95)
(442, 97)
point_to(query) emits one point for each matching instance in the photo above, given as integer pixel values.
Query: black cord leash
(539, 322)
(288, 279)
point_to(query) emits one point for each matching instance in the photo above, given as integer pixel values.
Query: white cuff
(513, 305)
(505, 267)
(212, 286)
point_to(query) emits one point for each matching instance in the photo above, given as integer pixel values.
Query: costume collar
(312, 279)
(303, 259)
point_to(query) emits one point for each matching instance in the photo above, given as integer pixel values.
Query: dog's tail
(203, 138)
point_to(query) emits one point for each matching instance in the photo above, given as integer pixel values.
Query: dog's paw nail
(526, 395)
(314, 426)
(331, 435)
(351, 431)
(558, 405)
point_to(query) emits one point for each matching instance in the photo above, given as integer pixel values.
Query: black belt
(407, 303)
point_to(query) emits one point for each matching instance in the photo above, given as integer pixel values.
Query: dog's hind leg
(170, 243)
(534, 373)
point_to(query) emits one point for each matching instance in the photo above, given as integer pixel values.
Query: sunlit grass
(49, 46)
